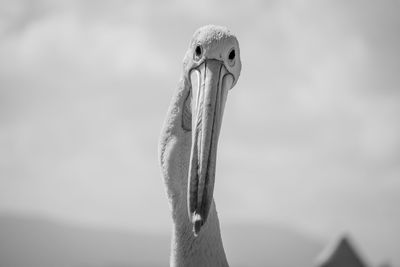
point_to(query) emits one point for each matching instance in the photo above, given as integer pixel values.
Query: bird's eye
(198, 52)
(231, 57)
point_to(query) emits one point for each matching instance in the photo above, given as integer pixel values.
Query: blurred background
(309, 148)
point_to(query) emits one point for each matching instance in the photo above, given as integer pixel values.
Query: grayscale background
(309, 148)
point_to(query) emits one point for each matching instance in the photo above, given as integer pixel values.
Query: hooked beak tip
(197, 224)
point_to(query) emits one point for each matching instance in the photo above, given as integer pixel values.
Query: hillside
(39, 242)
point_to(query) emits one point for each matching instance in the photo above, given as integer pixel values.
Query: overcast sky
(311, 132)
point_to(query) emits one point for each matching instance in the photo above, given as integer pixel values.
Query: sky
(311, 132)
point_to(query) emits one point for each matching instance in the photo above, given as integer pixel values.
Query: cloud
(74, 90)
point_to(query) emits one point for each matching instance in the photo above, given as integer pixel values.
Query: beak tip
(197, 224)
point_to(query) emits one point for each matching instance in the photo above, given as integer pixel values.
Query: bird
(188, 145)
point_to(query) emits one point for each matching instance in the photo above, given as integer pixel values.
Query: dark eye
(198, 52)
(231, 55)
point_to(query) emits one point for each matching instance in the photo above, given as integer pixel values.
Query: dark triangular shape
(342, 254)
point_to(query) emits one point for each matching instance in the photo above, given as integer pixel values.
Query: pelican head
(211, 68)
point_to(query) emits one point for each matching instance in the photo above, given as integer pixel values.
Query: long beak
(210, 84)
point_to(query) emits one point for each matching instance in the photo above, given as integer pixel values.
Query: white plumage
(188, 146)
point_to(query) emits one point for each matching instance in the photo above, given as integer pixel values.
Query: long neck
(186, 250)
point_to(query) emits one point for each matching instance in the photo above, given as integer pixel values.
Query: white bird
(188, 145)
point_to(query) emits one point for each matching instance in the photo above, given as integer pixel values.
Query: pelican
(188, 145)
